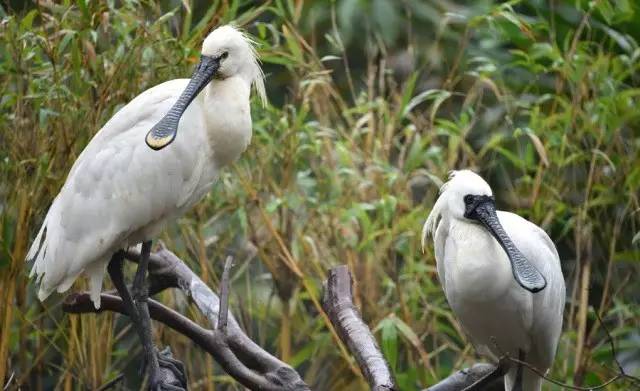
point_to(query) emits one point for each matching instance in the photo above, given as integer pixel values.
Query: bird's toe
(171, 372)
(166, 380)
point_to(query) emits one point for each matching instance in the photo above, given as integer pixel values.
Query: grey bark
(236, 353)
(337, 302)
(247, 362)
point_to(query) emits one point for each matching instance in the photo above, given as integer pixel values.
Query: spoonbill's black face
(471, 202)
(164, 132)
(482, 208)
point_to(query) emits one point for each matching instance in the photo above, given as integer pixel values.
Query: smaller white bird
(501, 275)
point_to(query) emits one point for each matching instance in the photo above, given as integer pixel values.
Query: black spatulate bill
(483, 210)
(164, 132)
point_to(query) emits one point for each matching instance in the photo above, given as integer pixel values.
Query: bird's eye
(468, 199)
(224, 55)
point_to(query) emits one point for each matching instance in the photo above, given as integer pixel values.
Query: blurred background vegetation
(372, 102)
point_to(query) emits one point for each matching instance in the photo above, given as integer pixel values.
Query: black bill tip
(161, 135)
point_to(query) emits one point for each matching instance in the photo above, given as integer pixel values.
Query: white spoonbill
(135, 176)
(501, 275)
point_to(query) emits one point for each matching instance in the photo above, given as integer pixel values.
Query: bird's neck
(228, 118)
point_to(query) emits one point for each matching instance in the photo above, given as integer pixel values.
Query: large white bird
(136, 175)
(501, 275)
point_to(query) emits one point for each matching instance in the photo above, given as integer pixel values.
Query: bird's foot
(170, 376)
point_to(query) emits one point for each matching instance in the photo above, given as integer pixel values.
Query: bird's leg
(117, 277)
(173, 378)
(517, 385)
(140, 297)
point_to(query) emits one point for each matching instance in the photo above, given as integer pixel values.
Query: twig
(6, 386)
(111, 383)
(619, 376)
(338, 304)
(236, 353)
(613, 347)
(224, 296)
(631, 378)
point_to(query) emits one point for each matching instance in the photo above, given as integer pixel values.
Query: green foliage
(372, 103)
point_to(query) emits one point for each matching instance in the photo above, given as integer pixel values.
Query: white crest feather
(431, 224)
(257, 79)
(460, 183)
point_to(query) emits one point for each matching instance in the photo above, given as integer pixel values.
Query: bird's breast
(477, 268)
(491, 306)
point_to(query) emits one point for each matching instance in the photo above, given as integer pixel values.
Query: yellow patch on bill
(158, 142)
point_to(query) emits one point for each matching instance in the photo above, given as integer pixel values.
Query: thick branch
(338, 304)
(480, 377)
(167, 270)
(238, 355)
(211, 341)
(247, 362)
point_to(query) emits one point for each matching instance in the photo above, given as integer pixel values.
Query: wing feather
(439, 244)
(118, 192)
(548, 305)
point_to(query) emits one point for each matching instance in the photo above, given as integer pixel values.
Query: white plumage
(120, 192)
(499, 315)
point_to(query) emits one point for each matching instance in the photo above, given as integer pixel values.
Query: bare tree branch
(255, 368)
(338, 304)
(480, 377)
(238, 355)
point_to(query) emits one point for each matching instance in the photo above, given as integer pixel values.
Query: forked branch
(255, 368)
(238, 355)
(338, 304)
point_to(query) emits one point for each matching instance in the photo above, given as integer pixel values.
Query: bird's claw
(170, 376)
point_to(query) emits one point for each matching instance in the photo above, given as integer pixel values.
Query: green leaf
(437, 96)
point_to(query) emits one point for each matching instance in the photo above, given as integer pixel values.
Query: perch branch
(338, 304)
(486, 375)
(482, 376)
(255, 368)
(236, 353)
(621, 375)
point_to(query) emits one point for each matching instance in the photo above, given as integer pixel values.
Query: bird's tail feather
(52, 256)
(37, 245)
(55, 259)
(96, 272)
